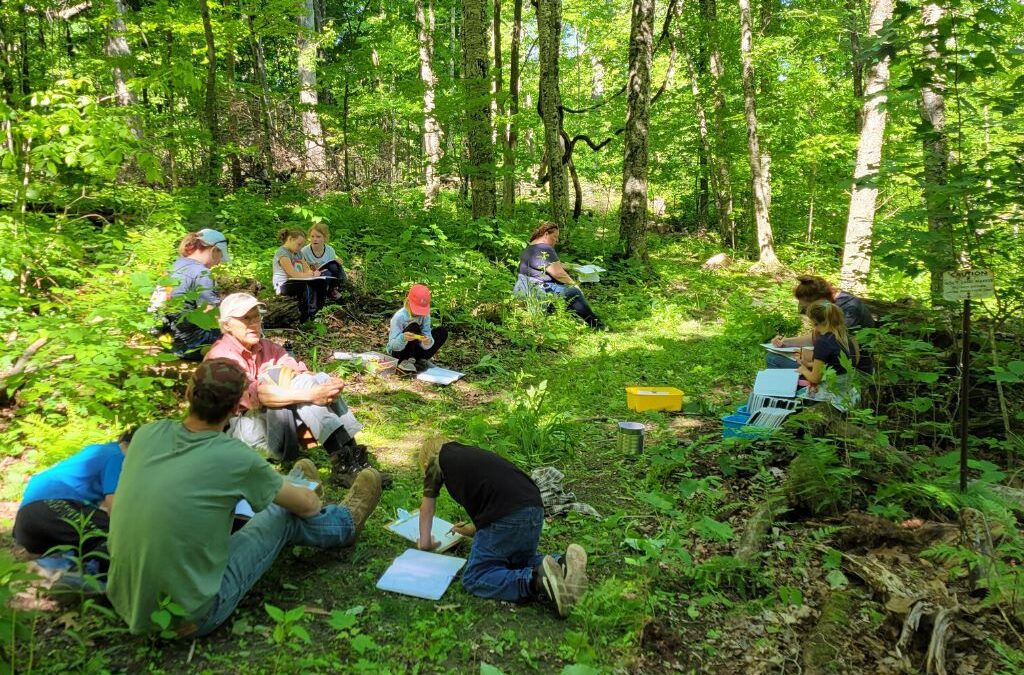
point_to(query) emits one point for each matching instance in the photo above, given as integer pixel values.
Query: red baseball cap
(418, 300)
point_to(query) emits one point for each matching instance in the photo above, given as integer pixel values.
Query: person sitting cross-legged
(170, 535)
(508, 515)
(281, 392)
(412, 339)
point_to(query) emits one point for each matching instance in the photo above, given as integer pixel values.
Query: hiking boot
(363, 497)
(575, 569)
(407, 366)
(305, 470)
(423, 364)
(552, 582)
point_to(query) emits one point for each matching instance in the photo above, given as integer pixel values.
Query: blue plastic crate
(735, 426)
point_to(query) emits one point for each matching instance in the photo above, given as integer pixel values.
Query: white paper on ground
(344, 356)
(781, 350)
(776, 382)
(421, 574)
(588, 273)
(437, 375)
(407, 526)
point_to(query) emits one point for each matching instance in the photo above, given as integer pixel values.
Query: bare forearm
(273, 396)
(426, 522)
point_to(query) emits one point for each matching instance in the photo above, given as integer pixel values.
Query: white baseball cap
(237, 305)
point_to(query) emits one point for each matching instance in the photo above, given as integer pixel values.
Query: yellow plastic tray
(640, 399)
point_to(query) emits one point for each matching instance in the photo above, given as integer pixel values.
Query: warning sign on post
(968, 285)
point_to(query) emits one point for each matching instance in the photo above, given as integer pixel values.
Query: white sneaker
(407, 366)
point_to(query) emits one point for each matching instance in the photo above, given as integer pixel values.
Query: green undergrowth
(541, 390)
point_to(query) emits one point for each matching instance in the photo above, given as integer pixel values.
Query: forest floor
(682, 504)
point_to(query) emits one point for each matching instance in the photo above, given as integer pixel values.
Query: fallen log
(976, 535)
(753, 535)
(821, 650)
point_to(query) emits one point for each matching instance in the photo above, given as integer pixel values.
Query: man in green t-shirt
(170, 536)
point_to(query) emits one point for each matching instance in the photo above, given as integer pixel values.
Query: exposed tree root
(822, 648)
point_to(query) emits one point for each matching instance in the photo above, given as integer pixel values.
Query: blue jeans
(504, 555)
(773, 360)
(254, 548)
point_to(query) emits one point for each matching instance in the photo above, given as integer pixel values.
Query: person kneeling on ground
(508, 515)
(321, 257)
(541, 272)
(281, 389)
(170, 537)
(412, 340)
(79, 489)
(810, 290)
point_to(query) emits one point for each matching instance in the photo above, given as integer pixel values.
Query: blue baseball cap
(215, 238)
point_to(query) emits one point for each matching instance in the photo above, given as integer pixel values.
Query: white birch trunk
(431, 129)
(861, 220)
(315, 159)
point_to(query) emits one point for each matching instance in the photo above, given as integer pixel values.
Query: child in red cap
(412, 340)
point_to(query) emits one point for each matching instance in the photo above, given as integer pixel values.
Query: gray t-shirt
(280, 276)
(328, 256)
(194, 276)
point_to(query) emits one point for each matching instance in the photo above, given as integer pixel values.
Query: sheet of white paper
(776, 382)
(421, 574)
(782, 350)
(408, 527)
(589, 269)
(344, 356)
(244, 509)
(437, 375)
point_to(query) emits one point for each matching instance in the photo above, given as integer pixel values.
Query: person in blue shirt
(412, 339)
(79, 488)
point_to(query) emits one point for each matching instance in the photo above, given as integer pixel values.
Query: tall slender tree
(861, 220)
(549, 40)
(477, 98)
(118, 51)
(941, 254)
(213, 164)
(431, 129)
(508, 192)
(760, 188)
(315, 151)
(633, 211)
(719, 151)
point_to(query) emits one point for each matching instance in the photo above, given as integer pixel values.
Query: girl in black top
(831, 339)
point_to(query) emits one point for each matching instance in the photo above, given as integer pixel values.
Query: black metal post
(965, 383)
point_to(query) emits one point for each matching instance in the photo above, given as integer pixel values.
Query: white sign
(968, 285)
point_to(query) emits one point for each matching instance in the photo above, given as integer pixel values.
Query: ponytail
(192, 243)
(828, 318)
(287, 233)
(811, 289)
(545, 227)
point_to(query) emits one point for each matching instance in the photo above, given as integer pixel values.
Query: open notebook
(421, 574)
(407, 526)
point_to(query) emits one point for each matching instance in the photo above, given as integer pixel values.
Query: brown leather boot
(363, 497)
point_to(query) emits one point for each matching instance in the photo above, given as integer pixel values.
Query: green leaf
(275, 613)
(340, 621)
(580, 669)
(836, 579)
(301, 633)
(488, 669)
(161, 618)
(709, 528)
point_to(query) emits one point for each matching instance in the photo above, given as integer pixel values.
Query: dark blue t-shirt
(854, 311)
(87, 476)
(534, 261)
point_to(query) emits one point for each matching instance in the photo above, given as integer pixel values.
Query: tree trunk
(265, 111)
(596, 77)
(476, 90)
(118, 51)
(212, 152)
(706, 150)
(233, 160)
(853, 8)
(633, 210)
(315, 157)
(861, 220)
(719, 153)
(758, 178)
(941, 255)
(431, 130)
(549, 39)
(497, 105)
(508, 193)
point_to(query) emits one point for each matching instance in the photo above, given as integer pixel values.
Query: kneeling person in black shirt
(508, 515)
